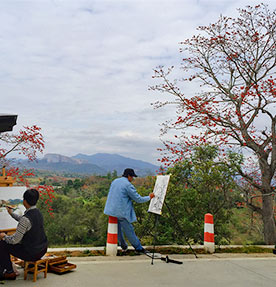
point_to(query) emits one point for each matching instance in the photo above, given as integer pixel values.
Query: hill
(117, 162)
(97, 164)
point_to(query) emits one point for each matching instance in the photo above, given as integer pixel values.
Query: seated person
(29, 242)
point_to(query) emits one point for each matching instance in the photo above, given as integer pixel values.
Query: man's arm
(12, 214)
(134, 195)
(23, 226)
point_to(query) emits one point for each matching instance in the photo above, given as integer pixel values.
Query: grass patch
(85, 253)
(244, 249)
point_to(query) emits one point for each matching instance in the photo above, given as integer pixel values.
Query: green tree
(198, 185)
(76, 221)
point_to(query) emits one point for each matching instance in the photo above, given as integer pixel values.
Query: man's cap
(130, 172)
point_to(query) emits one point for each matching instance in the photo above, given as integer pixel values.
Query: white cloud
(81, 69)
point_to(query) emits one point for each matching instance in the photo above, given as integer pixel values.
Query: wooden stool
(36, 267)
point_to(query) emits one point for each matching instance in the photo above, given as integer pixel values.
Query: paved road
(213, 271)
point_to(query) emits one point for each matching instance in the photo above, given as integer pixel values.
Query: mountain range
(97, 164)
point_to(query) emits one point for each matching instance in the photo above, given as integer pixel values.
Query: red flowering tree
(28, 142)
(231, 64)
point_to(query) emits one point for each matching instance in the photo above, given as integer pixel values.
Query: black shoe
(125, 251)
(8, 276)
(143, 250)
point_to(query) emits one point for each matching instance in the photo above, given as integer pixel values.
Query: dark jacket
(35, 241)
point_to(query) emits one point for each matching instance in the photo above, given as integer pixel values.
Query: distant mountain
(61, 163)
(117, 162)
(97, 164)
(57, 158)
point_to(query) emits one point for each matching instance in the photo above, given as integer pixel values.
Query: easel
(154, 236)
(166, 259)
(155, 208)
(9, 231)
(179, 227)
(6, 181)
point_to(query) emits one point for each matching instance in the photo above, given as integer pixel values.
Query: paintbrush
(3, 203)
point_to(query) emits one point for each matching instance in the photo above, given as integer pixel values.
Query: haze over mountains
(97, 164)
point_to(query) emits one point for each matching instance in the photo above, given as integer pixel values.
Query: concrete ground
(132, 271)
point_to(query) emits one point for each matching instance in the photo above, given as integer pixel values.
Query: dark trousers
(16, 250)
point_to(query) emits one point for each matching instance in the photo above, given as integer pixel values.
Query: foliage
(246, 227)
(78, 210)
(79, 218)
(76, 221)
(200, 184)
(233, 61)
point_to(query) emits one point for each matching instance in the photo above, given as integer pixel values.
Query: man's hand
(2, 235)
(9, 209)
(151, 195)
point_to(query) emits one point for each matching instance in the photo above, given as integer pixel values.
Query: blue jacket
(119, 199)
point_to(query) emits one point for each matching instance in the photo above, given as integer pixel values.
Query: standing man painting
(119, 204)
(29, 242)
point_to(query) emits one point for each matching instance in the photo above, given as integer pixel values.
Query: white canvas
(160, 190)
(14, 195)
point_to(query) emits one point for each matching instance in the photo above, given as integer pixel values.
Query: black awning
(7, 122)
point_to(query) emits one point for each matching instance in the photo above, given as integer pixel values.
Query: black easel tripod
(166, 259)
(179, 227)
(152, 255)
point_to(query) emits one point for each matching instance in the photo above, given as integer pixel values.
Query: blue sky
(81, 69)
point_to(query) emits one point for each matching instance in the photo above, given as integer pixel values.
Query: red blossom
(233, 61)
(27, 142)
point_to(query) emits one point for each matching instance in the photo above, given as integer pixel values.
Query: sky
(81, 70)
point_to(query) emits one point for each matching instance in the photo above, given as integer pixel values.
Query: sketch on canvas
(12, 196)
(159, 191)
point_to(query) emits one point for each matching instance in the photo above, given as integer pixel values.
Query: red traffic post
(112, 236)
(209, 240)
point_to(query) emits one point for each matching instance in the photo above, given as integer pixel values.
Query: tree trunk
(268, 220)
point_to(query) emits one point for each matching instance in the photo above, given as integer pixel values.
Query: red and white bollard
(209, 242)
(112, 236)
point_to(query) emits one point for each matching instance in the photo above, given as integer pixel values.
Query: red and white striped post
(112, 236)
(209, 242)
